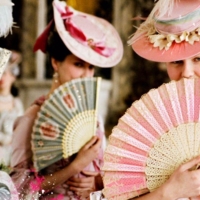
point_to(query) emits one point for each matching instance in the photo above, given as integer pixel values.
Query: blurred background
(121, 85)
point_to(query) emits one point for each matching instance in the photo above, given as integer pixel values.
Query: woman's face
(188, 68)
(71, 68)
(7, 80)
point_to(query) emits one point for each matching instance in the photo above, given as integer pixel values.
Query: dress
(7, 188)
(7, 119)
(21, 161)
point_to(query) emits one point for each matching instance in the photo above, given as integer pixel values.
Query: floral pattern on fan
(49, 130)
(66, 121)
(157, 134)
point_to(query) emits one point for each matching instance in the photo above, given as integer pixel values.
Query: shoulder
(18, 105)
(28, 117)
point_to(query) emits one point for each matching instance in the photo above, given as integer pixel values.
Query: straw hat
(90, 38)
(170, 33)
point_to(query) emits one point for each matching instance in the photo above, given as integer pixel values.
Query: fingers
(82, 179)
(190, 164)
(94, 141)
(89, 173)
(78, 184)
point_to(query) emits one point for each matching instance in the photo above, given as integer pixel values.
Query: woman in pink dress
(171, 35)
(74, 42)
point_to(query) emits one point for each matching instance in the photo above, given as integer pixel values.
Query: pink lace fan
(157, 134)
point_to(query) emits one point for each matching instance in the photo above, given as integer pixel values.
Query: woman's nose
(188, 70)
(88, 72)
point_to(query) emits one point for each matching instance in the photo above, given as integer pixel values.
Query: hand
(87, 153)
(184, 182)
(85, 185)
(195, 198)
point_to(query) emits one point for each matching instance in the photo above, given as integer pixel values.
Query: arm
(183, 183)
(88, 153)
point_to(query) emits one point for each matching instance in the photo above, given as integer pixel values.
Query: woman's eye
(78, 64)
(91, 67)
(197, 59)
(177, 62)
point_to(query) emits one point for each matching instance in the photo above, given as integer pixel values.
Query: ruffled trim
(165, 41)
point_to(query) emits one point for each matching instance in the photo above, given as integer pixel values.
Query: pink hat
(90, 38)
(170, 33)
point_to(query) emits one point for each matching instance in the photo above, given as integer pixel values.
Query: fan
(158, 133)
(4, 55)
(66, 121)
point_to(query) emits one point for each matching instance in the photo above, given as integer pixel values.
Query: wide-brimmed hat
(90, 38)
(170, 33)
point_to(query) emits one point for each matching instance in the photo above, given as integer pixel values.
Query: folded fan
(158, 133)
(66, 121)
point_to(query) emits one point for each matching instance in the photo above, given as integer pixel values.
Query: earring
(55, 77)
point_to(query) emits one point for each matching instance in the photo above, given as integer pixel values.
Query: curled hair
(56, 48)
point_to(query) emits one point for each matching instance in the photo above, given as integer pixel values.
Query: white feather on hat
(6, 19)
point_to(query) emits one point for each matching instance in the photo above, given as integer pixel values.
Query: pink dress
(21, 161)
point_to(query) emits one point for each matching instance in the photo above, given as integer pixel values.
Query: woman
(170, 34)
(10, 107)
(76, 44)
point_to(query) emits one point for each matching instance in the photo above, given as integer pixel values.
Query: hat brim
(177, 51)
(86, 53)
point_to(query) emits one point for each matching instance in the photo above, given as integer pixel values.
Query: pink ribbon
(77, 34)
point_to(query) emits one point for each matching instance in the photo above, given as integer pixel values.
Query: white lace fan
(4, 57)
(157, 134)
(65, 122)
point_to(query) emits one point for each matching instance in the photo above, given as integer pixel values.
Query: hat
(170, 33)
(4, 57)
(90, 38)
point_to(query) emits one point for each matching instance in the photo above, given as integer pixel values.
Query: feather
(6, 19)
(161, 8)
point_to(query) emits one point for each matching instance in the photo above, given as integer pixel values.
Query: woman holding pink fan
(171, 34)
(75, 42)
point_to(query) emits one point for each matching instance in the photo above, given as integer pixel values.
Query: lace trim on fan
(4, 57)
(177, 146)
(79, 131)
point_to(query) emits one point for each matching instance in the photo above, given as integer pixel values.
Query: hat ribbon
(99, 46)
(77, 34)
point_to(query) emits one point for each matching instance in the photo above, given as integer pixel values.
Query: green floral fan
(65, 122)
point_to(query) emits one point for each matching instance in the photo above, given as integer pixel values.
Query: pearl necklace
(6, 99)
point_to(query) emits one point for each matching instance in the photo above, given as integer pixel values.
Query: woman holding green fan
(75, 42)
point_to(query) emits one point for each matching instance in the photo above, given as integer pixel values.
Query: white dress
(7, 119)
